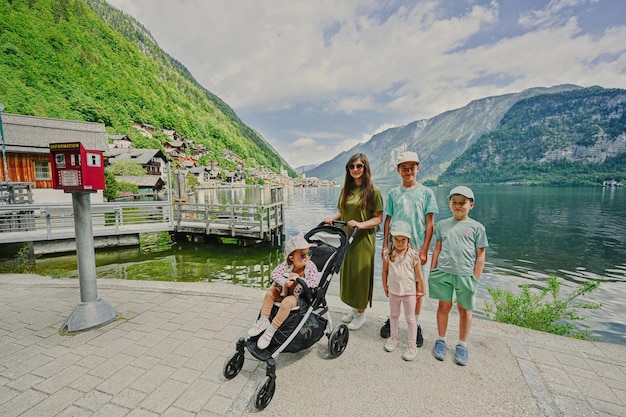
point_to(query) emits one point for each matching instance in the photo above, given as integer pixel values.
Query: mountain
(438, 141)
(84, 60)
(569, 138)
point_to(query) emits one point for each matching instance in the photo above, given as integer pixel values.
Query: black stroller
(306, 323)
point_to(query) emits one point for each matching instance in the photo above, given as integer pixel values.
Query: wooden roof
(30, 134)
(142, 181)
(140, 156)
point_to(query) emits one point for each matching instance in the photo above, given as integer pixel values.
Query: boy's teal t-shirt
(459, 241)
(411, 205)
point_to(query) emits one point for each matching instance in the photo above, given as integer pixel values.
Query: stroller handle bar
(341, 223)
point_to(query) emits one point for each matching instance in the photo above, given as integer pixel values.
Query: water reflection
(579, 234)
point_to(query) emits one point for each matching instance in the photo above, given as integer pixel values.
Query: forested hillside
(569, 138)
(61, 59)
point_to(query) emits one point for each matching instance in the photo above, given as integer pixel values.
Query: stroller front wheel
(338, 340)
(233, 365)
(264, 392)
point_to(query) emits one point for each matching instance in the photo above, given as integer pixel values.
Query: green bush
(529, 309)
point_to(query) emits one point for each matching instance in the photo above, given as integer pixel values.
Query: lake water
(578, 234)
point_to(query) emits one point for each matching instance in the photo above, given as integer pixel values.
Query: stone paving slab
(164, 356)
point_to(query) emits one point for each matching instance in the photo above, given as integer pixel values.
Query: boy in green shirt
(457, 264)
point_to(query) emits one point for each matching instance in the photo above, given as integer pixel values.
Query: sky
(316, 78)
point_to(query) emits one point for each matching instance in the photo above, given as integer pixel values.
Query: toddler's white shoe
(259, 327)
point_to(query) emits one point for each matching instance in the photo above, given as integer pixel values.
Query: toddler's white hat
(295, 243)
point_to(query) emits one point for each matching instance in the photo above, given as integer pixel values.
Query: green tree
(111, 185)
(124, 168)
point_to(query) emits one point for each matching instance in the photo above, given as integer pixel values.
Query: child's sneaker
(460, 355)
(439, 351)
(265, 340)
(420, 337)
(385, 331)
(410, 353)
(259, 327)
(391, 344)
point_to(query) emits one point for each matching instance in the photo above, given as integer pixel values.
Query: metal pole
(91, 311)
(4, 152)
(85, 250)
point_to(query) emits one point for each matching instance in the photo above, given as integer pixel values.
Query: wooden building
(153, 161)
(27, 148)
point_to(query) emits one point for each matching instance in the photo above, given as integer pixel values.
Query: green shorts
(442, 286)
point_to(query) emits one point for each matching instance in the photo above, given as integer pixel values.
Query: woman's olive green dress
(356, 280)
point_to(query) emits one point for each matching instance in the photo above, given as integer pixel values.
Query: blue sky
(317, 77)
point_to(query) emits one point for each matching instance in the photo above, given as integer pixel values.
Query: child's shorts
(442, 286)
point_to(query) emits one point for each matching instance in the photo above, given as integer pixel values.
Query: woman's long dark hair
(367, 186)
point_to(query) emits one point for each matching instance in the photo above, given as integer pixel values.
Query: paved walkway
(165, 356)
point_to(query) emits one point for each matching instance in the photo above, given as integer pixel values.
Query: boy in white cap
(457, 264)
(415, 204)
(403, 284)
(285, 289)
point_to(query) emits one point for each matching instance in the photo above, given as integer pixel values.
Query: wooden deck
(30, 223)
(262, 222)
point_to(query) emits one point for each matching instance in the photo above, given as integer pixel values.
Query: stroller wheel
(338, 340)
(233, 365)
(264, 392)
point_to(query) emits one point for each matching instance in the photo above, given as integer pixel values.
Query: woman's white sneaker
(357, 321)
(350, 316)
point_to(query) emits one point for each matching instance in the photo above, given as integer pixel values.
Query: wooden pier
(241, 223)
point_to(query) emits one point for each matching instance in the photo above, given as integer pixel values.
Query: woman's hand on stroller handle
(337, 223)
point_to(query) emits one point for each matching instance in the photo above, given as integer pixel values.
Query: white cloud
(552, 14)
(339, 69)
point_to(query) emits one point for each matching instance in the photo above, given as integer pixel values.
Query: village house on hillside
(120, 141)
(27, 149)
(152, 160)
(150, 187)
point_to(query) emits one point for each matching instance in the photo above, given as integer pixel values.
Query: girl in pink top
(401, 267)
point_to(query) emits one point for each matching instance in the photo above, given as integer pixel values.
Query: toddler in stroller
(285, 288)
(305, 317)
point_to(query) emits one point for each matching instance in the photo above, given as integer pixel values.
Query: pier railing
(37, 222)
(262, 221)
(41, 222)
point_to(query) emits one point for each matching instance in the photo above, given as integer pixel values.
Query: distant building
(27, 148)
(152, 160)
(120, 141)
(150, 186)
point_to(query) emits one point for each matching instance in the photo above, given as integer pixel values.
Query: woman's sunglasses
(357, 166)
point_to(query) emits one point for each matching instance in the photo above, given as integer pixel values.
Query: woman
(361, 206)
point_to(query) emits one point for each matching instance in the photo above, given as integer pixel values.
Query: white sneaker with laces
(410, 353)
(265, 340)
(391, 344)
(357, 321)
(350, 316)
(258, 327)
